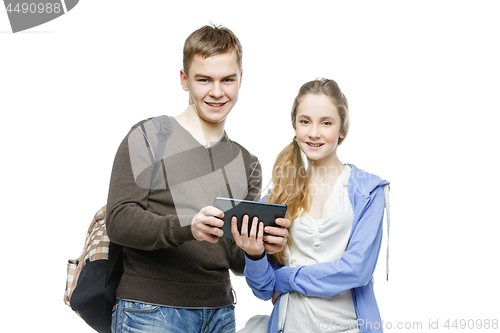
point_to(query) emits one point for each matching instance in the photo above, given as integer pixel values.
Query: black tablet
(266, 212)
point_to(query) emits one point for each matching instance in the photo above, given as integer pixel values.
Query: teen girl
(336, 211)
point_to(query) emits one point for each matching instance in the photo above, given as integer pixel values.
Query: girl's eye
(305, 122)
(327, 123)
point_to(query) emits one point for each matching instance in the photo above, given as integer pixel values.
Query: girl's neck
(330, 168)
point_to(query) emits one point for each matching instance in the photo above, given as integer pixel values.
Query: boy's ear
(241, 78)
(184, 80)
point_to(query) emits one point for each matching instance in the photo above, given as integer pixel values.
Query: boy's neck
(206, 133)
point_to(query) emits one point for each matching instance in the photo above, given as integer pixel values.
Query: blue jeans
(137, 317)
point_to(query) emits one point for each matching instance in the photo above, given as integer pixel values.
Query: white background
(422, 80)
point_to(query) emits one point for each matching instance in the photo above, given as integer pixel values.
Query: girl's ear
(341, 138)
(342, 134)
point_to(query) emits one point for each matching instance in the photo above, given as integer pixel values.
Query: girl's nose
(314, 132)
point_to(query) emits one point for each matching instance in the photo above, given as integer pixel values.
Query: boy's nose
(217, 91)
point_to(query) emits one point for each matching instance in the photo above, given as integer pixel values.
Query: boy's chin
(214, 116)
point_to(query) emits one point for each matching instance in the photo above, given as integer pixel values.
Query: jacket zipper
(354, 300)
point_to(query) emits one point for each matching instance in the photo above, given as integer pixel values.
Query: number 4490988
(34, 8)
(472, 324)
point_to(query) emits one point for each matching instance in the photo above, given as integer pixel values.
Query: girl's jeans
(137, 317)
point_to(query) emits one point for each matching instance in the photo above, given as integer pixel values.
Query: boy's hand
(276, 241)
(252, 244)
(205, 225)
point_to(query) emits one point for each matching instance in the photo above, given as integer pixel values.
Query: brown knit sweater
(163, 263)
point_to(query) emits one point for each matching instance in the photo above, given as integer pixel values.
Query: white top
(323, 240)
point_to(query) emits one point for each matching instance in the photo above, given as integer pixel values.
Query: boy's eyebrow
(203, 76)
(231, 76)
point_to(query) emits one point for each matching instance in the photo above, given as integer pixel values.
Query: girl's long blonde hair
(290, 177)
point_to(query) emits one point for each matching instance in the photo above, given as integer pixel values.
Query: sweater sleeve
(354, 269)
(128, 220)
(260, 277)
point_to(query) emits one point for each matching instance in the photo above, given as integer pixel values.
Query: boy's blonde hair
(208, 41)
(290, 177)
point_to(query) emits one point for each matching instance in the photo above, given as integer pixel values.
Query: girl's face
(318, 127)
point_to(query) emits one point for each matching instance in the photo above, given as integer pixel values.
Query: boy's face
(213, 84)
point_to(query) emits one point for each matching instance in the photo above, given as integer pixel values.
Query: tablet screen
(266, 212)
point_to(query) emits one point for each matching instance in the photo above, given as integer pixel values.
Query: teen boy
(176, 275)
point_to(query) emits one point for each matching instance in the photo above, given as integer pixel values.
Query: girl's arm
(260, 277)
(354, 269)
(258, 272)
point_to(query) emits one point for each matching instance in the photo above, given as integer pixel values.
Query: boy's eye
(228, 80)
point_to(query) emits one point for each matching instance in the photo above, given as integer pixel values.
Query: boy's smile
(213, 84)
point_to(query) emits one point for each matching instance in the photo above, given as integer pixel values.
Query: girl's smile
(314, 145)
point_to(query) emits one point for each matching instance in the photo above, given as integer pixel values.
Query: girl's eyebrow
(321, 119)
(332, 119)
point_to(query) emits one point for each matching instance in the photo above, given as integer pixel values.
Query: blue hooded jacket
(354, 270)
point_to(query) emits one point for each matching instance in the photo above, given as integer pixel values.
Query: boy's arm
(128, 222)
(355, 267)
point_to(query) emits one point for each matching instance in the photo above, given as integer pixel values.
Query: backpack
(93, 278)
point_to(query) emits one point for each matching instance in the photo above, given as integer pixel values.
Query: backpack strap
(164, 127)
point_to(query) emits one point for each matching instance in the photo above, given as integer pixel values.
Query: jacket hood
(364, 182)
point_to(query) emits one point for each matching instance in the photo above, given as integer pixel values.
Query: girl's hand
(275, 297)
(252, 244)
(276, 240)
